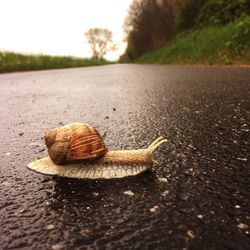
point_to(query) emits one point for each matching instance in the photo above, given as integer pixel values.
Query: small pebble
(129, 193)
(180, 155)
(114, 109)
(153, 209)
(242, 226)
(95, 194)
(165, 180)
(21, 133)
(237, 206)
(200, 216)
(85, 232)
(191, 146)
(106, 117)
(245, 130)
(47, 203)
(242, 159)
(190, 233)
(50, 227)
(8, 153)
(18, 213)
(165, 193)
(57, 246)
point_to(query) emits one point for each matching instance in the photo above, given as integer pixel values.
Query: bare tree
(100, 41)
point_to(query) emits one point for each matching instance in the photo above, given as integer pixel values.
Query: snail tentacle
(156, 143)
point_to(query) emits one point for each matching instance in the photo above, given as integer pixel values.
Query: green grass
(213, 45)
(11, 62)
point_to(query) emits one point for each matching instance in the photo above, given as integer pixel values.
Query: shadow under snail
(77, 150)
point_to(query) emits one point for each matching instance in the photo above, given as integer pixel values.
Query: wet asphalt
(197, 198)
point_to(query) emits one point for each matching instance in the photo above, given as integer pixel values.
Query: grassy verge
(10, 62)
(228, 44)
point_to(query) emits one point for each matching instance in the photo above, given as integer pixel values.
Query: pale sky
(57, 27)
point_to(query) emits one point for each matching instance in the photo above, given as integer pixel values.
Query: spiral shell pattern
(74, 142)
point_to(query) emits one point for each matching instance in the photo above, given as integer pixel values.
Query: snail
(77, 150)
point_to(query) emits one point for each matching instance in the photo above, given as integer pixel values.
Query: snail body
(107, 165)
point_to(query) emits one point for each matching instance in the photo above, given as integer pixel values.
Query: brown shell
(75, 141)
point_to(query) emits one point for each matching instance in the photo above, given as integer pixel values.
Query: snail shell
(72, 142)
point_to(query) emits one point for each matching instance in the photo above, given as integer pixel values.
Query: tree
(149, 24)
(100, 41)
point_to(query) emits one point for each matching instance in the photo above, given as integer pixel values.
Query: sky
(57, 27)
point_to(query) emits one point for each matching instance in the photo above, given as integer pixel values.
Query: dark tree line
(149, 25)
(201, 13)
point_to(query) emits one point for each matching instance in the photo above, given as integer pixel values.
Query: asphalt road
(197, 198)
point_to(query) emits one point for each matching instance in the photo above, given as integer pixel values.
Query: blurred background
(84, 33)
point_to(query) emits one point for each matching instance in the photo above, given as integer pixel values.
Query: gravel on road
(197, 198)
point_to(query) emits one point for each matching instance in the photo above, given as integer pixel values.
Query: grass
(11, 62)
(228, 44)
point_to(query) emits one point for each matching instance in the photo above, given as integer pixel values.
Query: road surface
(197, 198)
